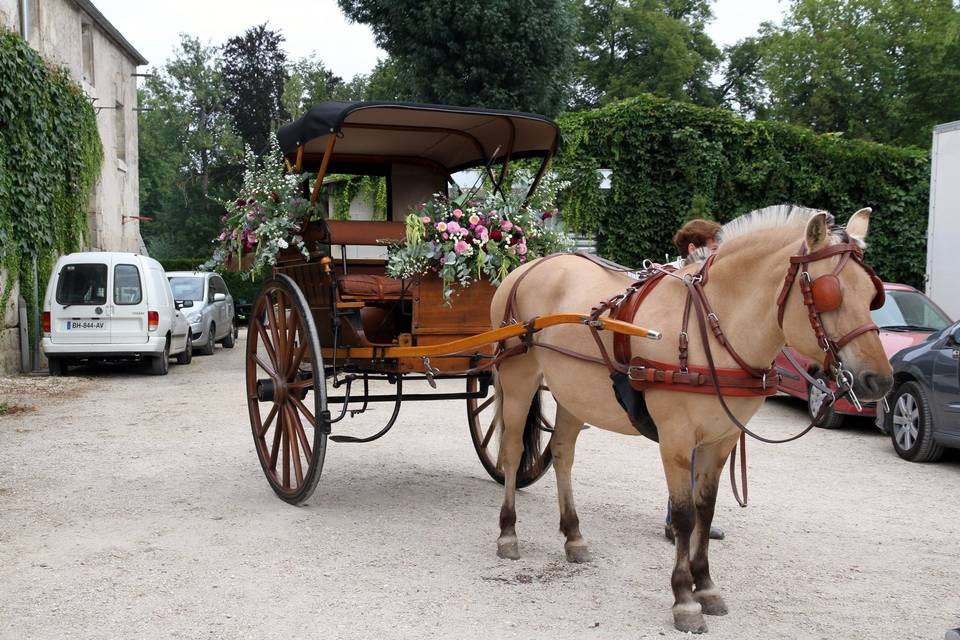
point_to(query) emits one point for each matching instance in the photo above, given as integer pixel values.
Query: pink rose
(453, 227)
(445, 236)
(506, 225)
(457, 213)
(521, 248)
(441, 226)
(474, 219)
(425, 219)
(517, 230)
(461, 246)
(223, 236)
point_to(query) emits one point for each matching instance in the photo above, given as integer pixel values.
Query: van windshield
(187, 288)
(82, 284)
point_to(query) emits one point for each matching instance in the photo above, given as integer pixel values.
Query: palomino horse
(747, 273)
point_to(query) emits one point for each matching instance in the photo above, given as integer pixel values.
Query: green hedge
(50, 156)
(673, 161)
(239, 288)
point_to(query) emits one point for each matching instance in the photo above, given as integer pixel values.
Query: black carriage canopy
(378, 134)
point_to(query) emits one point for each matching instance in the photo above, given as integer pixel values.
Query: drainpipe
(24, 18)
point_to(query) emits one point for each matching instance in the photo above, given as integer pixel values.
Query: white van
(112, 306)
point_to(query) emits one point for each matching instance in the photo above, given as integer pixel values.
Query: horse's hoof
(688, 619)
(578, 554)
(711, 604)
(508, 550)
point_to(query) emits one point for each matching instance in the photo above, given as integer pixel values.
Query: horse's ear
(817, 232)
(859, 224)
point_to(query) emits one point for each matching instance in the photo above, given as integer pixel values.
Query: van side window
(82, 284)
(126, 284)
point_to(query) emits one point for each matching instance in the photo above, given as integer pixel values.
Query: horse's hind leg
(518, 379)
(676, 456)
(562, 446)
(708, 468)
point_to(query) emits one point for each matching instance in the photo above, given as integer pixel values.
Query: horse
(748, 271)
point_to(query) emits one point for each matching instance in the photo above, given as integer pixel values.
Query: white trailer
(943, 231)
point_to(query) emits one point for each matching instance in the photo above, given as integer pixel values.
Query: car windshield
(187, 288)
(909, 310)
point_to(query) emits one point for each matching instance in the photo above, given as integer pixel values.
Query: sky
(153, 28)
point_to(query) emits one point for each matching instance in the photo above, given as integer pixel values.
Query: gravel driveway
(134, 507)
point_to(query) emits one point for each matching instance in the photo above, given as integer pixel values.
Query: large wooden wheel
(284, 364)
(485, 433)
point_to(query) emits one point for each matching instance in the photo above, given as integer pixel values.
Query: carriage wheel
(482, 417)
(284, 364)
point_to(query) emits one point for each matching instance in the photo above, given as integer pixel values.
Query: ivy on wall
(50, 157)
(673, 161)
(346, 188)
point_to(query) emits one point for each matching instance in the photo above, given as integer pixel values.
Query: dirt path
(134, 506)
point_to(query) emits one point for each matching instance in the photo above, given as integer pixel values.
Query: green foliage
(254, 74)
(189, 154)
(673, 161)
(511, 54)
(628, 47)
(50, 156)
(310, 82)
(371, 189)
(882, 70)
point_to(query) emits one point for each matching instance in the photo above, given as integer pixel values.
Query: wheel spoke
(296, 360)
(266, 423)
(307, 383)
(486, 403)
(278, 352)
(286, 451)
(277, 433)
(293, 328)
(294, 448)
(265, 339)
(284, 346)
(301, 433)
(489, 434)
(267, 368)
(304, 410)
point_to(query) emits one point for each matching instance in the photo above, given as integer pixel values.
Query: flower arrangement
(467, 238)
(265, 218)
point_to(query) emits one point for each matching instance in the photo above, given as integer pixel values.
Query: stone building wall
(74, 34)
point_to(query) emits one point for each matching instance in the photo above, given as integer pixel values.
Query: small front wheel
(159, 365)
(186, 356)
(483, 417)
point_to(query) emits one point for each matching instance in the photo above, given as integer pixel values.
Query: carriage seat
(372, 287)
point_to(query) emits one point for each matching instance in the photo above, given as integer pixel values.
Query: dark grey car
(212, 316)
(924, 415)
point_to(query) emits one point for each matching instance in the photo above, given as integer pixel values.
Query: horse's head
(825, 310)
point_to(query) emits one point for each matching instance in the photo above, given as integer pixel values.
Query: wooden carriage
(333, 323)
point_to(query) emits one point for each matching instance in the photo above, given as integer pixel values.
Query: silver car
(211, 317)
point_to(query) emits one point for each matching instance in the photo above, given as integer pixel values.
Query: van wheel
(228, 342)
(58, 366)
(186, 356)
(208, 346)
(161, 364)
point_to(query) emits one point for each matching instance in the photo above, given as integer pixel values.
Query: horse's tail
(531, 461)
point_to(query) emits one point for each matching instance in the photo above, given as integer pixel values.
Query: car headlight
(193, 316)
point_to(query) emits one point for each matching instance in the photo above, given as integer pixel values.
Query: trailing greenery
(50, 156)
(371, 189)
(673, 161)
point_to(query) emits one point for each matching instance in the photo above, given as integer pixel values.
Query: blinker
(880, 296)
(827, 294)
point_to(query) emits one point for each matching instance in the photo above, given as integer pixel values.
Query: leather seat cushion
(371, 287)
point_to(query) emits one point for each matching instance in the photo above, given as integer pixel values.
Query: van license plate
(85, 324)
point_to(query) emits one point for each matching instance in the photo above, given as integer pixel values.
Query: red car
(907, 318)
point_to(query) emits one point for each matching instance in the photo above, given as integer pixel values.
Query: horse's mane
(773, 217)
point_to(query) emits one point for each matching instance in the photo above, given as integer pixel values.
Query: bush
(673, 161)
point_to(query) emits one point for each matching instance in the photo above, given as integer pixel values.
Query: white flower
(282, 243)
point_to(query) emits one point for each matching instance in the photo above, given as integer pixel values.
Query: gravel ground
(134, 507)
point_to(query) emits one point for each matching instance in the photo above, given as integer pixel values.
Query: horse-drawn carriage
(332, 323)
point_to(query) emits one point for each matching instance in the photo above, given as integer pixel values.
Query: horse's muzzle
(871, 386)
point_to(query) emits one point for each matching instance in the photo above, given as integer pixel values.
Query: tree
(742, 89)
(628, 47)
(884, 70)
(189, 153)
(254, 74)
(309, 82)
(510, 54)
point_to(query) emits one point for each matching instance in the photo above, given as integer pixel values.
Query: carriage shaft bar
(494, 335)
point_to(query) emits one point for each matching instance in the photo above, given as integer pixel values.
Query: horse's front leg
(708, 467)
(676, 455)
(562, 445)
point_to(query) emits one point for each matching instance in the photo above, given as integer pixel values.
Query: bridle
(822, 295)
